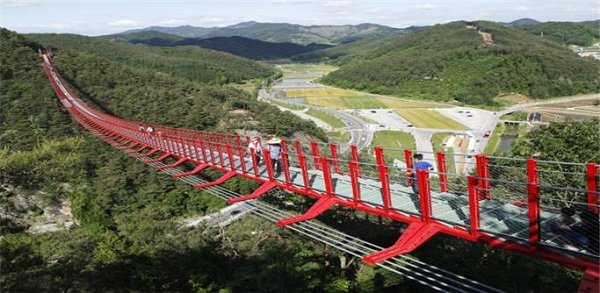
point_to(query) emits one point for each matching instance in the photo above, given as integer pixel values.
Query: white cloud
(522, 8)
(423, 7)
(20, 3)
(339, 3)
(124, 23)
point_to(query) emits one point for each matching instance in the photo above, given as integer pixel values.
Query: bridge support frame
(223, 178)
(415, 235)
(323, 204)
(255, 194)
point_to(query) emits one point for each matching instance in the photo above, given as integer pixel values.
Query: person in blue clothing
(419, 164)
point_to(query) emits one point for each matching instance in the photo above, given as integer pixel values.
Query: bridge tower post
(592, 187)
(533, 191)
(409, 166)
(474, 211)
(384, 178)
(285, 161)
(354, 151)
(334, 157)
(315, 153)
(424, 194)
(483, 172)
(441, 161)
(241, 154)
(353, 166)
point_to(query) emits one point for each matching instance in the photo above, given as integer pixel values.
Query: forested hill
(190, 62)
(571, 33)
(239, 46)
(467, 62)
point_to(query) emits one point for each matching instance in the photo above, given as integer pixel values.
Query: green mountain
(193, 63)
(185, 31)
(570, 33)
(239, 46)
(152, 38)
(471, 62)
(284, 32)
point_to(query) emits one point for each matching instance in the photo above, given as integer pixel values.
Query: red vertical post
(483, 172)
(315, 153)
(298, 148)
(354, 151)
(424, 194)
(196, 145)
(230, 156)
(334, 157)
(592, 187)
(441, 161)
(241, 153)
(384, 178)
(303, 165)
(211, 150)
(327, 175)
(285, 162)
(354, 175)
(474, 211)
(304, 170)
(230, 139)
(202, 145)
(409, 166)
(219, 147)
(267, 155)
(533, 203)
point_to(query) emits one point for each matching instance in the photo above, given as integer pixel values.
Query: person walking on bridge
(255, 148)
(275, 150)
(418, 164)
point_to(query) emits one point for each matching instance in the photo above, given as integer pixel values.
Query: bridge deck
(500, 219)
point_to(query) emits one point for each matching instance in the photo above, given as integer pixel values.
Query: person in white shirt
(257, 147)
(275, 150)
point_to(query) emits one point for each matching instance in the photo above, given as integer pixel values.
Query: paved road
(360, 131)
(478, 121)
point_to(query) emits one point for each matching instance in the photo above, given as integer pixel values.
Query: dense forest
(190, 62)
(247, 48)
(472, 63)
(568, 33)
(127, 233)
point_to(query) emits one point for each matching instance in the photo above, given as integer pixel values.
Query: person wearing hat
(275, 150)
(257, 147)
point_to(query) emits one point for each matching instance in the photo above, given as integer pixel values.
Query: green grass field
(331, 120)
(306, 69)
(342, 136)
(394, 103)
(430, 119)
(288, 106)
(438, 138)
(362, 102)
(394, 143)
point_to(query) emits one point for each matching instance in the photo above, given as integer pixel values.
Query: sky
(102, 17)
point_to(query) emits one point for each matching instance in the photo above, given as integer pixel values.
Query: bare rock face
(30, 212)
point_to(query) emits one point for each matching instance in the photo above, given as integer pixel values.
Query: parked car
(487, 134)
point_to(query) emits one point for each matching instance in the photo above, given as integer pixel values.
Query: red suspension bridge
(520, 214)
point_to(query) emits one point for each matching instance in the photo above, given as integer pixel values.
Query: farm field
(346, 99)
(305, 70)
(430, 119)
